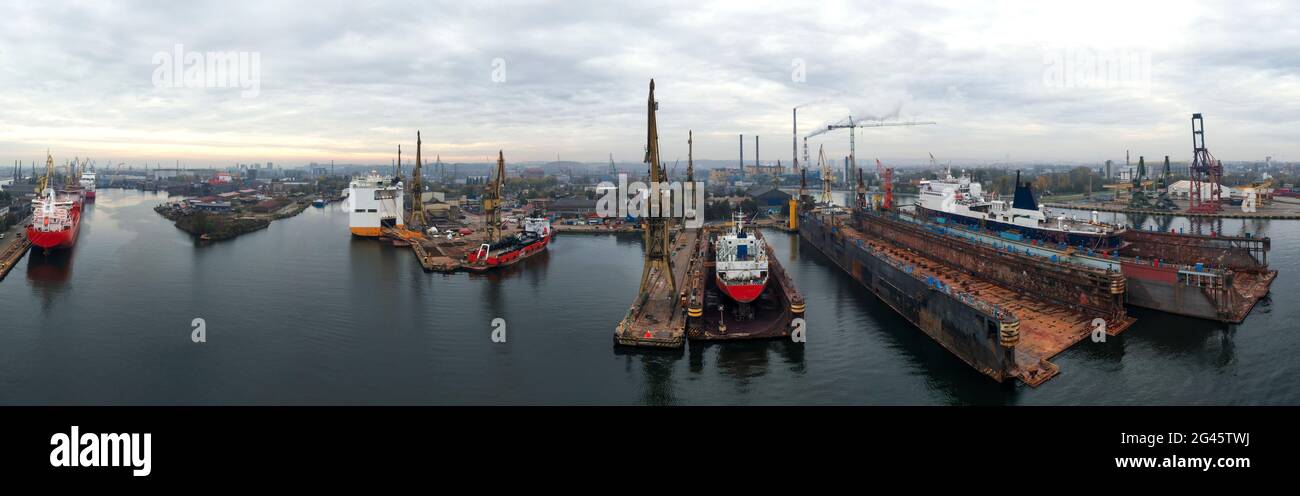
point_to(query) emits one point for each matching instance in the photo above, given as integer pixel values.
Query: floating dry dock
(662, 318)
(1101, 207)
(657, 318)
(1001, 312)
(1210, 277)
(714, 317)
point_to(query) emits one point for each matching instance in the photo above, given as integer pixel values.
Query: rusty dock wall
(1079, 288)
(1002, 331)
(973, 328)
(1237, 253)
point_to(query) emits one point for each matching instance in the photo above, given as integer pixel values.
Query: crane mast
(492, 200)
(417, 189)
(826, 175)
(658, 254)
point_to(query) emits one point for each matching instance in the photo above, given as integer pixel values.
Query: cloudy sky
(348, 81)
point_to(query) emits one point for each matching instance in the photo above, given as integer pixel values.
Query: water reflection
(656, 371)
(49, 274)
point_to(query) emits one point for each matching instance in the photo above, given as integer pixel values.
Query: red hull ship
(56, 220)
(741, 263)
(536, 235)
(56, 216)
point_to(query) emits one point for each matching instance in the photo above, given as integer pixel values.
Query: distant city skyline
(1018, 82)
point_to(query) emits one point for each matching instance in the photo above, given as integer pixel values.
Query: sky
(1004, 81)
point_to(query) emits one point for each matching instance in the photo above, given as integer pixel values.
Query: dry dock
(713, 317)
(656, 318)
(698, 311)
(1003, 331)
(1265, 212)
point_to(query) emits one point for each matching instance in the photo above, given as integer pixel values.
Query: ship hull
(508, 257)
(742, 293)
(54, 240)
(1094, 241)
(963, 330)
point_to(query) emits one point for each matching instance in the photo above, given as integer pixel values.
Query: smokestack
(742, 152)
(794, 141)
(756, 153)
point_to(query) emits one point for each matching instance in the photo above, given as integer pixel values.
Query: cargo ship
(962, 201)
(374, 204)
(533, 239)
(87, 183)
(56, 215)
(741, 259)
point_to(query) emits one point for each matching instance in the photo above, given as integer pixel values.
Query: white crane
(851, 125)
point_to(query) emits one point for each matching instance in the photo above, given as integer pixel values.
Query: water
(301, 313)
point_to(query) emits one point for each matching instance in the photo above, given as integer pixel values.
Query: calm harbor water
(301, 313)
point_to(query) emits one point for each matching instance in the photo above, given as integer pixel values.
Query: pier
(13, 250)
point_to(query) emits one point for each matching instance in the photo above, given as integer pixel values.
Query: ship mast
(492, 201)
(657, 252)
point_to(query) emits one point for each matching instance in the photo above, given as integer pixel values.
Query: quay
(12, 250)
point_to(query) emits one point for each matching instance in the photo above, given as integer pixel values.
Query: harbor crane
(417, 189)
(852, 126)
(658, 248)
(492, 201)
(826, 175)
(1206, 172)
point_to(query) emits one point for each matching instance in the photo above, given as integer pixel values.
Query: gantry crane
(851, 125)
(1206, 172)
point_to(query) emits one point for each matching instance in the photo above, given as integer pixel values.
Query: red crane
(1206, 172)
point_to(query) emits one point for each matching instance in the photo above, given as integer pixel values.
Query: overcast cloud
(348, 81)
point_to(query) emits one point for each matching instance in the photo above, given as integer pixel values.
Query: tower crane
(851, 125)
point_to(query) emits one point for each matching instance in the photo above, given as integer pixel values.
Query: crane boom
(850, 124)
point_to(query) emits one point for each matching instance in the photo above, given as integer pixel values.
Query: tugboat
(741, 263)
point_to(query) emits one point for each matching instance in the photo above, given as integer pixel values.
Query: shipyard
(1004, 284)
(947, 211)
